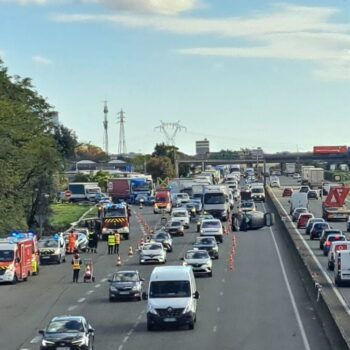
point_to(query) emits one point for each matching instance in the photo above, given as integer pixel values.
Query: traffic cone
(130, 251)
(119, 261)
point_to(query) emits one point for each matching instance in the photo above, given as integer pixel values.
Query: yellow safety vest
(76, 264)
(117, 238)
(111, 240)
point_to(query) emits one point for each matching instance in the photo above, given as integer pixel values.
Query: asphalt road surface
(261, 304)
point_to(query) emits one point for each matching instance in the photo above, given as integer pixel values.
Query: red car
(303, 219)
(287, 192)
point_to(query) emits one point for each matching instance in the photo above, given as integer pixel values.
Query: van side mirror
(182, 258)
(41, 331)
(269, 219)
(109, 281)
(144, 296)
(142, 279)
(196, 295)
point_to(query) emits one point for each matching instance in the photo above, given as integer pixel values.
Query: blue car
(317, 229)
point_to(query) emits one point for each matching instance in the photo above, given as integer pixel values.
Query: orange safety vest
(76, 264)
(117, 238)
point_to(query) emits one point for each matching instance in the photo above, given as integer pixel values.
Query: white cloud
(41, 60)
(287, 32)
(163, 7)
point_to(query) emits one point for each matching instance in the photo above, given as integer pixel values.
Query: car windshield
(196, 255)
(201, 240)
(161, 199)
(170, 289)
(246, 204)
(320, 226)
(257, 190)
(214, 198)
(125, 277)
(6, 255)
(151, 247)
(115, 212)
(160, 236)
(50, 243)
(175, 223)
(210, 224)
(65, 326)
(336, 238)
(178, 214)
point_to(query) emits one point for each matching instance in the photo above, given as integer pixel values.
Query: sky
(240, 73)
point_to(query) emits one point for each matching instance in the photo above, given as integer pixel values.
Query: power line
(122, 143)
(170, 131)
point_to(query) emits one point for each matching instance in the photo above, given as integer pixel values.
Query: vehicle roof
(170, 273)
(209, 220)
(196, 251)
(126, 271)
(63, 318)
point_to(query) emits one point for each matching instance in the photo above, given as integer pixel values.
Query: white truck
(216, 201)
(289, 169)
(315, 177)
(81, 191)
(298, 200)
(342, 267)
(305, 173)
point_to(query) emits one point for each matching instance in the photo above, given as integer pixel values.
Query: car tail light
(328, 244)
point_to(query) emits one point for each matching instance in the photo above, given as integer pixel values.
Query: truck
(334, 207)
(140, 187)
(216, 201)
(305, 170)
(81, 191)
(315, 177)
(289, 169)
(18, 257)
(114, 218)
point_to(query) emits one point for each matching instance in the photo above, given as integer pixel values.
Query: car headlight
(152, 310)
(187, 309)
(113, 289)
(184, 263)
(81, 341)
(46, 342)
(135, 288)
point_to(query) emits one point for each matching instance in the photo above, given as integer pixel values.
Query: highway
(315, 208)
(261, 304)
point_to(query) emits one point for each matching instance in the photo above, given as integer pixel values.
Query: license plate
(63, 348)
(171, 319)
(45, 257)
(124, 293)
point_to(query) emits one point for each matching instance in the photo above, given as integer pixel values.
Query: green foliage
(66, 141)
(163, 150)
(28, 154)
(101, 177)
(86, 151)
(160, 167)
(81, 177)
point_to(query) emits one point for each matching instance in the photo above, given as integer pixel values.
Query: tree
(66, 141)
(86, 151)
(81, 177)
(102, 178)
(160, 167)
(163, 150)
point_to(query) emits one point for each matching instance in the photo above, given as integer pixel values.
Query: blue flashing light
(56, 237)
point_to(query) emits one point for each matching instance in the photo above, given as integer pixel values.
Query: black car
(209, 244)
(68, 332)
(312, 194)
(125, 285)
(164, 238)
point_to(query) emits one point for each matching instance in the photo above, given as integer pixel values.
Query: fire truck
(18, 257)
(114, 218)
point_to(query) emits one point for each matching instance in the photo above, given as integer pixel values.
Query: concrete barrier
(334, 316)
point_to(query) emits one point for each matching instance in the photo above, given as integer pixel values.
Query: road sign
(336, 196)
(68, 194)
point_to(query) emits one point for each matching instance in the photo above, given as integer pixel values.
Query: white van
(342, 267)
(298, 200)
(335, 247)
(172, 297)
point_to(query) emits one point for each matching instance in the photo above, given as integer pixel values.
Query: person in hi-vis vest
(76, 264)
(117, 243)
(111, 242)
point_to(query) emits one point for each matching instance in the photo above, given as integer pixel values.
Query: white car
(275, 182)
(153, 252)
(335, 247)
(181, 214)
(182, 197)
(200, 261)
(297, 177)
(247, 206)
(212, 227)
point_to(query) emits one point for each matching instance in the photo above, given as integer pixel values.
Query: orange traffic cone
(130, 251)
(119, 261)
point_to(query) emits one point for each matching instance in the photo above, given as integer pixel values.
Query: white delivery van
(298, 200)
(172, 297)
(335, 247)
(342, 267)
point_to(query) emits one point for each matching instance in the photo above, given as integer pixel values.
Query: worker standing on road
(111, 242)
(91, 242)
(71, 242)
(117, 243)
(76, 264)
(95, 241)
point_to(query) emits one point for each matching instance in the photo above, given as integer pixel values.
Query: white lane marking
(90, 292)
(125, 339)
(214, 329)
(218, 309)
(120, 347)
(36, 339)
(71, 308)
(324, 273)
(81, 300)
(103, 280)
(221, 294)
(130, 332)
(97, 286)
(291, 295)
(223, 280)
(139, 318)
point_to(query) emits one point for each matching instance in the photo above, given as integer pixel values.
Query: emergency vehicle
(18, 257)
(162, 201)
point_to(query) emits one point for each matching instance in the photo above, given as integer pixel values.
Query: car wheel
(210, 274)
(59, 260)
(149, 327)
(191, 325)
(199, 230)
(321, 246)
(325, 253)
(337, 281)
(111, 299)
(217, 257)
(64, 259)
(330, 267)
